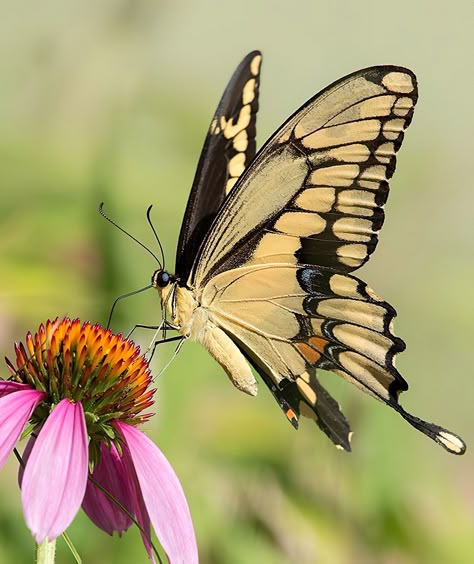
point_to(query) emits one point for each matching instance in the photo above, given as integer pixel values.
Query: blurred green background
(109, 101)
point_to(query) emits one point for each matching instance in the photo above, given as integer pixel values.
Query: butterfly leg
(168, 340)
(178, 348)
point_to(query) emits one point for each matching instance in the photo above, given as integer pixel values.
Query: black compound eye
(161, 278)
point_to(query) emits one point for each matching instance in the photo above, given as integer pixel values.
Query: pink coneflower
(83, 390)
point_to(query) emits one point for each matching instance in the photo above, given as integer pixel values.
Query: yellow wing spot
(248, 93)
(237, 164)
(241, 141)
(354, 210)
(356, 198)
(398, 82)
(356, 153)
(255, 65)
(376, 172)
(385, 152)
(231, 129)
(339, 175)
(352, 254)
(344, 286)
(300, 223)
(372, 177)
(452, 442)
(392, 128)
(403, 106)
(275, 246)
(353, 229)
(316, 199)
(307, 391)
(365, 130)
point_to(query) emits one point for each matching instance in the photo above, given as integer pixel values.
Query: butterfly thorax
(194, 321)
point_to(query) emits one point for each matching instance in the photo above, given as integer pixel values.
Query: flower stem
(46, 552)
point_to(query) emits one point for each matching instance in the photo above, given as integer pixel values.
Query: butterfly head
(164, 282)
(161, 279)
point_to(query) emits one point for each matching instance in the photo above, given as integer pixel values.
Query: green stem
(46, 552)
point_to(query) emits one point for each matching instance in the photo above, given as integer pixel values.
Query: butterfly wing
(321, 180)
(228, 149)
(274, 268)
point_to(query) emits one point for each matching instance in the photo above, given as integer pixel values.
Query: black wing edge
(209, 186)
(448, 440)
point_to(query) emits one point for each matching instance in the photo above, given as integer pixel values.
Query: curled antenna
(150, 223)
(102, 213)
(121, 298)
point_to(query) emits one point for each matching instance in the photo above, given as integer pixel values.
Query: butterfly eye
(161, 279)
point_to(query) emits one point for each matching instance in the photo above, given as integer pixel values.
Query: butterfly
(270, 239)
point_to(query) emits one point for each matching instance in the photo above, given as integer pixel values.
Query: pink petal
(15, 410)
(139, 507)
(26, 455)
(55, 477)
(7, 387)
(111, 474)
(163, 496)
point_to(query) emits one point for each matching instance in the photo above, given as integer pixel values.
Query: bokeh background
(109, 101)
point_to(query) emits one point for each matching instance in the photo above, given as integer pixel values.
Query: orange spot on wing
(309, 353)
(318, 343)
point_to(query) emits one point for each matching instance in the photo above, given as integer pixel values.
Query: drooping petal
(55, 477)
(111, 474)
(15, 410)
(163, 496)
(8, 387)
(25, 455)
(139, 507)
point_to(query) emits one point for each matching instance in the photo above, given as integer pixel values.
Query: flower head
(84, 391)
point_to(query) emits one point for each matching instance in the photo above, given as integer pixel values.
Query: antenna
(102, 213)
(150, 223)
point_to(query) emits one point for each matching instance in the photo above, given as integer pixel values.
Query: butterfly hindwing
(228, 149)
(290, 320)
(297, 318)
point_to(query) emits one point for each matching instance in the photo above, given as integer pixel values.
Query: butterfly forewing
(228, 149)
(315, 192)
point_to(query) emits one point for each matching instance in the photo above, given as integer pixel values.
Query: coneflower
(80, 392)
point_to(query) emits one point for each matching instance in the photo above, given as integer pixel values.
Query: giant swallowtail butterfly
(269, 242)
